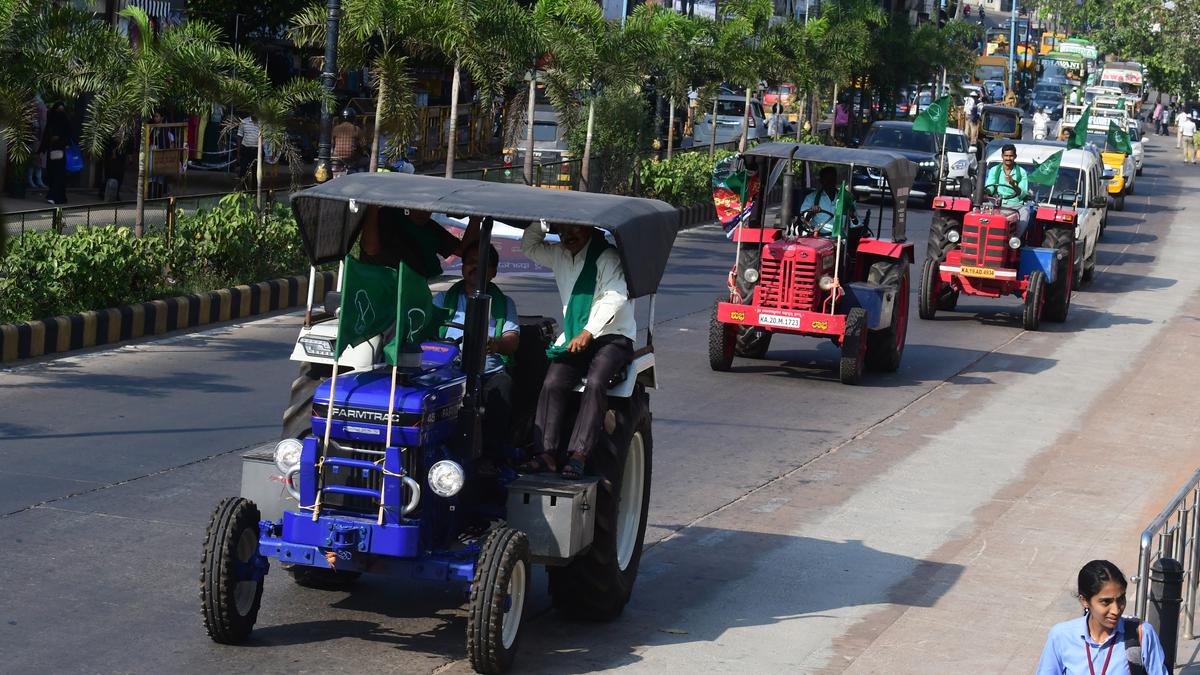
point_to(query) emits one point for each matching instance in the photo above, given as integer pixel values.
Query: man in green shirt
(1012, 183)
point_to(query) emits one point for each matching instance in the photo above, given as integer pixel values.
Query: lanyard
(1088, 651)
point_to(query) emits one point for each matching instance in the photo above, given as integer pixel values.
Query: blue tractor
(380, 475)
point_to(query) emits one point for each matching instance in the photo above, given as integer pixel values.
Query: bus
(1050, 42)
(993, 67)
(1073, 66)
(1124, 76)
(1079, 46)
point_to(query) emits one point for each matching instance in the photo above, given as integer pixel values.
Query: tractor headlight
(1014, 243)
(750, 275)
(287, 454)
(315, 346)
(953, 236)
(446, 478)
(826, 283)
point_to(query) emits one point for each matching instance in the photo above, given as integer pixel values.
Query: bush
(621, 130)
(47, 274)
(683, 180)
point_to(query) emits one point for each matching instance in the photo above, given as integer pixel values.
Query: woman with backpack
(1085, 646)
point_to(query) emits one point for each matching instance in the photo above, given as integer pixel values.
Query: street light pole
(328, 78)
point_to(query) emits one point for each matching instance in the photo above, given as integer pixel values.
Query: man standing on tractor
(503, 339)
(1010, 184)
(596, 342)
(818, 207)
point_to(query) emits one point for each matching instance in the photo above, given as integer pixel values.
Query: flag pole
(392, 392)
(837, 255)
(942, 162)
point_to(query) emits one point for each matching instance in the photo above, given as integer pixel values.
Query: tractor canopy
(898, 170)
(330, 215)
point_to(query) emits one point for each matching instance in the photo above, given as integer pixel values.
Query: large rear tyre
(752, 342)
(1035, 301)
(297, 417)
(598, 582)
(323, 579)
(938, 243)
(927, 300)
(885, 347)
(497, 606)
(1058, 294)
(722, 339)
(232, 571)
(854, 347)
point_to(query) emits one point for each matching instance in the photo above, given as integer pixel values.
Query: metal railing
(1173, 534)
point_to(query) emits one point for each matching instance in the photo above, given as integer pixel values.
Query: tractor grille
(983, 245)
(786, 284)
(350, 477)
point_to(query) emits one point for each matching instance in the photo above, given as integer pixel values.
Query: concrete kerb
(127, 322)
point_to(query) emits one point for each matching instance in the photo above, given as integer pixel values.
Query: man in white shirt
(1179, 118)
(247, 147)
(1041, 124)
(597, 341)
(1187, 131)
(818, 206)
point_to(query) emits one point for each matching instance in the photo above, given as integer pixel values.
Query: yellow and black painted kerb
(118, 324)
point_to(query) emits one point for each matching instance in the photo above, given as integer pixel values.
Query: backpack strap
(1133, 646)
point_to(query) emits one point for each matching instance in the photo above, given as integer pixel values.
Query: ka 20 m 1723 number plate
(777, 320)
(982, 272)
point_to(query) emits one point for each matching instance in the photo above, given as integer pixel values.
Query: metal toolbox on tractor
(558, 515)
(262, 483)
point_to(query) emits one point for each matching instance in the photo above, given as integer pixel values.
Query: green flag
(1078, 137)
(934, 118)
(1118, 138)
(841, 205)
(417, 318)
(1046, 173)
(368, 302)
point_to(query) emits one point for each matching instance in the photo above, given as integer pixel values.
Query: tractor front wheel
(854, 347)
(927, 294)
(1035, 301)
(722, 339)
(886, 347)
(232, 571)
(498, 596)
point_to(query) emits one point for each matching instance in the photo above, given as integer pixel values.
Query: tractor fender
(872, 298)
(1034, 259)
(886, 249)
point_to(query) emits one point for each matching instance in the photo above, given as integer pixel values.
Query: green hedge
(683, 180)
(45, 274)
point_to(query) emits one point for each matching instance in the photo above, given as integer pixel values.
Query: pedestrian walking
(247, 149)
(1187, 133)
(35, 176)
(1158, 117)
(1085, 646)
(971, 110)
(1179, 117)
(57, 137)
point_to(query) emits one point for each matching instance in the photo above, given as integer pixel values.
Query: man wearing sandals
(596, 342)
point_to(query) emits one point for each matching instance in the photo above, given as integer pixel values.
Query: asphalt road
(111, 462)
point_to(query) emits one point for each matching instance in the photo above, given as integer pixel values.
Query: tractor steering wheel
(805, 218)
(997, 191)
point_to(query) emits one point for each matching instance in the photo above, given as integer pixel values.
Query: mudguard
(1034, 259)
(886, 249)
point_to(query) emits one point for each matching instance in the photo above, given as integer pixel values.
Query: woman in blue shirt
(1085, 646)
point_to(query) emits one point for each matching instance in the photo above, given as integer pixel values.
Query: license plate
(781, 321)
(983, 272)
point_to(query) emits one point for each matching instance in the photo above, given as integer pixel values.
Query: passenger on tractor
(596, 342)
(391, 236)
(1009, 183)
(504, 335)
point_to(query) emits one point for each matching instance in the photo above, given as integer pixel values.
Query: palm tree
(750, 19)
(677, 61)
(374, 33)
(184, 65)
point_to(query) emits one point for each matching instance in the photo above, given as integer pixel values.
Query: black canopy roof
(330, 215)
(898, 169)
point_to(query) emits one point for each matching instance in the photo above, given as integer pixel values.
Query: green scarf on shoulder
(579, 307)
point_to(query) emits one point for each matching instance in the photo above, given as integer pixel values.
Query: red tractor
(790, 278)
(987, 255)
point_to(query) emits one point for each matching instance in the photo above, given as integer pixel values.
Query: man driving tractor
(1009, 183)
(596, 342)
(819, 205)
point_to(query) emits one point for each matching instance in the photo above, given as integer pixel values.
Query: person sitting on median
(504, 335)
(1013, 181)
(819, 205)
(596, 342)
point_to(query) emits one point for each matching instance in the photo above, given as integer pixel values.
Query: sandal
(575, 466)
(539, 463)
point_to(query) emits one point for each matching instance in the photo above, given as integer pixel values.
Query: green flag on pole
(1119, 138)
(1078, 136)
(368, 302)
(1046, 173)
(417, 318)
(934, 118)
(841, 205)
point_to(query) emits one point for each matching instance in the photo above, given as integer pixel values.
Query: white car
(960, 157)
(1078, 169)
(1139, 146)
(730, 112)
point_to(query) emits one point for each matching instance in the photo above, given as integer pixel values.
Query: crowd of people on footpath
(1165, 116)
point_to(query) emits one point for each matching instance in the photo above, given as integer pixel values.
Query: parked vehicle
(731, 110)
(549, 139)
(900, 138)
(336, 498)
(789, 279)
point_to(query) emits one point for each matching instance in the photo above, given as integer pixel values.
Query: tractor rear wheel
(597, 584)
(927, 293)
(854, 347)
(1058, 295)
(232, 571)
(938, 244)
(297, 417)
(722, 338)
(503, 576)
(752, 342)
(1035, 301)
(885, 347)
